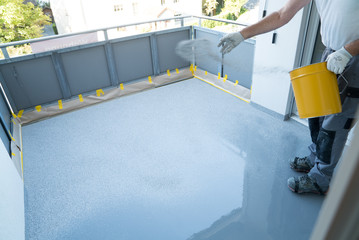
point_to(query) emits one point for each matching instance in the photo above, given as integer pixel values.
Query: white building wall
(12, 215)
(272, 62)
(81, 15)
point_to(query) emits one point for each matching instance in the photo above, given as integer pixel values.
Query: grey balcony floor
(184, 161)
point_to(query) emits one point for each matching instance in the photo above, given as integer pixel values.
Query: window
(163, 2)
(118, 8)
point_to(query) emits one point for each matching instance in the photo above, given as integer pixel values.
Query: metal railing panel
(133, 59)
(31, 82)
(212, 63)
(166, 45)
(86, 69)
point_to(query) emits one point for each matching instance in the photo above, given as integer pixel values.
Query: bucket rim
(309, 65)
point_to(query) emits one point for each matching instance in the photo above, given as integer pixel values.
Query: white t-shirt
(339, 22)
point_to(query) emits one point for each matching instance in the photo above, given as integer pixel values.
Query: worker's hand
(230, 41)
(338, 60)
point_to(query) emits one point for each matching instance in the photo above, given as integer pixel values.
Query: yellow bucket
(316, 91)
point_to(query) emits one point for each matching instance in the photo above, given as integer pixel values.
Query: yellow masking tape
(222, 89)
(13, 114)
(13, 121)
(121, 86)
(81, 98)
(13, 154)
(60, 104)
(99, 92)
(177, 71)
(168, 72)
(236, 83)
(38, 108)
(19, 115)
(150, 79)
(13, 139)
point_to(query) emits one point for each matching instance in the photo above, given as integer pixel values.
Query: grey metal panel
(210, 64)
(86, 69)
(133, 59)
(31, 82)
(166, 44)
(238, 64)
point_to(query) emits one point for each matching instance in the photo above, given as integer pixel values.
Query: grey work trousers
(329, 133)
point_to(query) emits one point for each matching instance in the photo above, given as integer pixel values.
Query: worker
(340, 35)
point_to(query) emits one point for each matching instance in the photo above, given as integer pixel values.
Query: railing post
(154, 54)
(60, 74)
(111, 64)
(4, 51)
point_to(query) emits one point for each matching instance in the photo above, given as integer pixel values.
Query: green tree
(233, 9)
(20, 21)
(210, 6)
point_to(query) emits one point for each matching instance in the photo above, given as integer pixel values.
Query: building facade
(79, 15)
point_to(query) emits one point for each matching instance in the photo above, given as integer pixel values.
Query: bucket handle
(346, 81)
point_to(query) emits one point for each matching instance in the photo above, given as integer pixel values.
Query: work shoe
(300, 164)
(305, 184)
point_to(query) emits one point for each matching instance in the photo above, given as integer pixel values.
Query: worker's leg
(332, 135)
(331, 141)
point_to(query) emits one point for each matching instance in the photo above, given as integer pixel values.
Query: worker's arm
(273, 21)
(353, 47)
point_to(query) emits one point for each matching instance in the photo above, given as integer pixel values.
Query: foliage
(231, 11)
(210, 6)
(20, 21)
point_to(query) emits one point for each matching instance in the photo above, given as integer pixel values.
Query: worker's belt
(352, 92)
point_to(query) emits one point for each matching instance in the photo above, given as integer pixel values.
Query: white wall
(12, 216)
(81, 15)
(272, 62)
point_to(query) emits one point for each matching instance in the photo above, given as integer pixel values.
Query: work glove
(338, 60)
(230, 41)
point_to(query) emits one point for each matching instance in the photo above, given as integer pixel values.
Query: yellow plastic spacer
(236, 83)
(60, 104)
(13, 154)
(99, 92)
(195, 68)
(150, 79)
(13, 121)
(19, 115)
(225, 78)
(38, 108)
(168, 72)
(191, 68)
(81, 98)
(177, 71)
(205, 73)
(219, 75)
(14, 115)
(121, 86)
